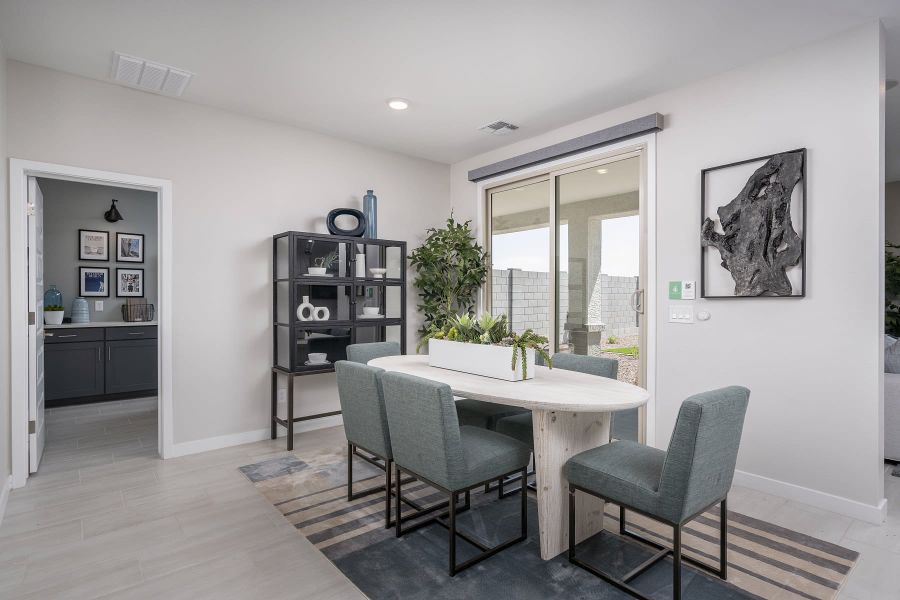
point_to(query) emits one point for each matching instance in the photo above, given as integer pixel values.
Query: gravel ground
(628, 365)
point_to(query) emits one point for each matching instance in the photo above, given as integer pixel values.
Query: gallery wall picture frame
(129, 247)
(746, 194)
(129, 283)
(93, 282)
(93, 245)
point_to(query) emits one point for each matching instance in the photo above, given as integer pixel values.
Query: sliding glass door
(568, 260)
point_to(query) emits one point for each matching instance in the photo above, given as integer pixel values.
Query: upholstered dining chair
(671, 487)
(429, 444)
(363, 353)
(365, 425)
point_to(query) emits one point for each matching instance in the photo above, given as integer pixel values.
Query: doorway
(569, 254)
(28, 332)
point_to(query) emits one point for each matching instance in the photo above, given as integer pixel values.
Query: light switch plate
(98, 305)
(681, 313)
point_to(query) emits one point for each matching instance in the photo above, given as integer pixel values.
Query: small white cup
(317, 357)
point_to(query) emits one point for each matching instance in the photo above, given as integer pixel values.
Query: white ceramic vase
(306, 311)
(321, 313)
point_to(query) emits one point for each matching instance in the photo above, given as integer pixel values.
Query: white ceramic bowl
(370, 310)
(316, 270)
(318, 357)
(378, 273)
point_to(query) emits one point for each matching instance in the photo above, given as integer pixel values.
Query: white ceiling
(330, 66)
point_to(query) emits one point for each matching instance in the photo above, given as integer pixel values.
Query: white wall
(236, 181)
(813, 365)
(70, 206)
(892, 212)
(5, 464)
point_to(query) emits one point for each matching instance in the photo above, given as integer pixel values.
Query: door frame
(19, 172)
(645, 144)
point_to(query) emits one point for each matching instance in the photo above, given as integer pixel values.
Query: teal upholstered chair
(672, 487)
(365, 424)
(519, 426)
(429, 444)
(363, 353)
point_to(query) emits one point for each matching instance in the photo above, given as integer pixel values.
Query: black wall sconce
(113, 214)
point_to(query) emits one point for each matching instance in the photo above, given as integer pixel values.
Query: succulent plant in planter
(327, 261)
(491, 330)
(53, 314)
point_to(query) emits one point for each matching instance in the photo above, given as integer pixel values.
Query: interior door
(36, 429)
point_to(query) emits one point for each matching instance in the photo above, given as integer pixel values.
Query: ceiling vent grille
(149, 76)
(498, 127)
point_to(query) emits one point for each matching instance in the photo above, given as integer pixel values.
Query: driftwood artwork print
(758, 243)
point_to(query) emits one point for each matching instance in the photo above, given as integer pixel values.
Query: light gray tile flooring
(105, 518)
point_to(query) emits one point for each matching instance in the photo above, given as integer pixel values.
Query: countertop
(102, 324)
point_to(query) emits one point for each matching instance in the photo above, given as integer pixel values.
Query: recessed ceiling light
(398, 103)
(602, 171)
(890, 84)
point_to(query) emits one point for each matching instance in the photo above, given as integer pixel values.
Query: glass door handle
(637, 301)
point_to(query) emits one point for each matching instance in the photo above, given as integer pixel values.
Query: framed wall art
(130, 247)
(129, 283)
(93, 245)
(93, 282)
(753, 228)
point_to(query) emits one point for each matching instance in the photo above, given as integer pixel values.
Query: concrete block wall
(532, 297)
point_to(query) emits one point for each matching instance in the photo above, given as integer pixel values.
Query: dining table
(571, 413)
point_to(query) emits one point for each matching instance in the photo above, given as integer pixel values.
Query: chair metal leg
(621, 519)
(388, 467)
(723, 539)
(524, 506)
(397, 519)
(676, 563)
(349, 472)
(452, 530)
(571, 523)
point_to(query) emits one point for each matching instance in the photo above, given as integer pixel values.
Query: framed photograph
(130, 247)
(130, 283)
(93, 245)
(753, 228)
(94, 282)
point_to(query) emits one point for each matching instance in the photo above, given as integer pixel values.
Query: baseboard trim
(845, 506)
(4, 496)
(247, 437)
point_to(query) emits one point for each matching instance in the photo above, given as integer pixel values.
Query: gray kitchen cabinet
(130, 366)
(99, 363)
(73, 369)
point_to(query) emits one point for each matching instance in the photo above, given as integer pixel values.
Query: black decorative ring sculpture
(357, 231)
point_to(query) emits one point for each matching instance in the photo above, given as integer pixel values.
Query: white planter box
(54, 317)
(478, 359)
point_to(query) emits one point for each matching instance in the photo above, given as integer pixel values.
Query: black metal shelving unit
(345, 289)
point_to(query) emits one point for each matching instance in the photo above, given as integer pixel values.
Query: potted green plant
(485, 346)
(53, 314)
(450, 269)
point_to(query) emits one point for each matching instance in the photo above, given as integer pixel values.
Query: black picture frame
(804, 236)
(119, 293)
(89, 257)
(126, 259)
(83, 284)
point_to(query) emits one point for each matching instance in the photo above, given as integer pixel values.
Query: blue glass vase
(370, 210)
(52, 296)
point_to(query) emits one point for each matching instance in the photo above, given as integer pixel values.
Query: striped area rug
(765, 560)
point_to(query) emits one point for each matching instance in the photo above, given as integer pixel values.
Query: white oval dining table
(571, 413)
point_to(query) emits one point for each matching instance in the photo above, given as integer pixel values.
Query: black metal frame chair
(662, 551)
(385, 464)
(450, 516)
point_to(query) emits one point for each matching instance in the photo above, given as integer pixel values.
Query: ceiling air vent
(498, 127)
(149, 76)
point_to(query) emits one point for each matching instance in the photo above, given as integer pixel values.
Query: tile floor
(105, 518)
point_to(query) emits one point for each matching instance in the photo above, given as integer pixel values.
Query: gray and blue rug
(765, 560)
